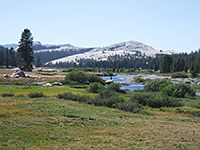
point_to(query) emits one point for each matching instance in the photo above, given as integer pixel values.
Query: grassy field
(51, 123)
(49, 91)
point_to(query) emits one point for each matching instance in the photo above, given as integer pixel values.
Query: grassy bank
(50, 123)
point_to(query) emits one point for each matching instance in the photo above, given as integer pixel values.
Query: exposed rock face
(121, 49)
(18, 74)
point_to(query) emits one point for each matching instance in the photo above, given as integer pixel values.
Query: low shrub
(95, 87)
(89, 69)
(105, 93)
(36, 95)
(73, 97)
(7, 94)
(67, 96)
(130, 106)
(78, 76)
(108, 73)
(84, 98)
(109, 102)
(68, 70)
(141, 98)
(79, 86)
(130, 70)
(69, 82)
(156, 85)
(178, 90)
(115, 87)
(94, 78)
(163, 101)
(20, 96)
(155, 100)
(113, 101)
(179, 75)
(138, 79)
(196, 113)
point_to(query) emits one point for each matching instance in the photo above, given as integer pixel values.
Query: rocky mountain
(123, 49)
(10, 45)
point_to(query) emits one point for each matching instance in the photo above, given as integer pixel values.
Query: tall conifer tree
(166, 64)
(25, 51)
(38, 61)
(1, 58)
(12, 57)
(6, 58)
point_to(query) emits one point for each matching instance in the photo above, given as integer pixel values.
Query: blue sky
(162, 24)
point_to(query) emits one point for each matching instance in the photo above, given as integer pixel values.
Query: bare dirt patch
(35, 75)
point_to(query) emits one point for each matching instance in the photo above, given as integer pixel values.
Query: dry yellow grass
(40, 124)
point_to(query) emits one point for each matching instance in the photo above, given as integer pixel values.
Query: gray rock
(5, 76)
(27, 76)
(57, 83)
(47, 84)
(18, 74)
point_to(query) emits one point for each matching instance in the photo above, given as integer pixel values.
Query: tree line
(8, 58)
(164, 63)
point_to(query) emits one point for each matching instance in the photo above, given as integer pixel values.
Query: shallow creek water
(132, 86)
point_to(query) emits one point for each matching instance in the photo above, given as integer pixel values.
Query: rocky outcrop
(18, 74)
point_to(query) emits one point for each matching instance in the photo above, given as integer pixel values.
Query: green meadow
(52, 123)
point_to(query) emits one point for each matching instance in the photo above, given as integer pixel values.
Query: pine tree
(12, 57)
(182, 67)
(1, 58)
(186, 68)
(166, 64)
(6, 58)
(38, 61)
(25, 51)
(198, 62)
(193, 70)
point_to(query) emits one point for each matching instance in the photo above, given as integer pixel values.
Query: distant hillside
(11, 45)
(123, 49)
(38, 46)
(67, 53)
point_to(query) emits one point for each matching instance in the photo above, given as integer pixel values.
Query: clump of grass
(20, 96)
(130, 106)
(155, 100)
(107, 98)
(73, 97)
(138, 79)
(7, 94)
(36, 95)
(18, 83)
(196, 113)
(179, 75)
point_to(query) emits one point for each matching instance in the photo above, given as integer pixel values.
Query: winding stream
(122, 79)
(133, 86)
